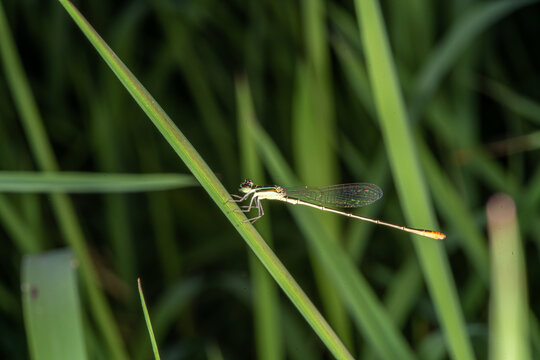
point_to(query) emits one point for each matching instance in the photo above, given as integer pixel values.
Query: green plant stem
(148, 322)
(62, 206)
(407, 174)
(211, 184)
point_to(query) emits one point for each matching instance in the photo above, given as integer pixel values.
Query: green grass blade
(62, 206)
(412, 22)
(368, 313)
(197, 79)
(161, 214)
(402, 294)
(462, 34)
(211, 184)
(534, 332)
(108, 150)
(166, 311)
(24, 100)
(520, 105)
(476, 160)
(433, 347)
(52, 309)
(213, 352)
(74, 182)
(156, 114)
(22, 235)
(404, 290)
(313, 136)
(9, 304)
(356, 74)
(509, 338)
(357, 238)
(449, 202)
(265, 297)
(407, 174)
(297, 339)
(148, 322)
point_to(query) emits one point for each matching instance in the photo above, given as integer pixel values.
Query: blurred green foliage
(468, 74)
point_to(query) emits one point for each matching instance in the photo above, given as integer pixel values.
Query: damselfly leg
(325, 198)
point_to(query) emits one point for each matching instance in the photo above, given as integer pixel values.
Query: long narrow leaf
(407, 174)
(63, 207)
(509, 338)
(70, 182)
(313, 129)
(211, 184)
(369, 315)
(148, 322)
(265, 297)
(461, 35)
(52, 309)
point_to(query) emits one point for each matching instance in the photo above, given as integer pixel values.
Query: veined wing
(337, 196)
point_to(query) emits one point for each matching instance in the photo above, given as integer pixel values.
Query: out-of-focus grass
(509, 335)
(209, 181)
(52, 308)
(370, 317)
(476, 19)
(148, 322)
(407, 174)
(23, 236)
(164, 313)
(67, 182)
(265, 297)
(62, 205)
(314, 136)
(468, 74)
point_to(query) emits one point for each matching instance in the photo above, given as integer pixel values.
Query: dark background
(480, 123)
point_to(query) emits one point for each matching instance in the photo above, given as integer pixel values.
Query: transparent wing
(338, 196)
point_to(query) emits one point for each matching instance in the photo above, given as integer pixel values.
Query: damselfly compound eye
(246, 186)
(325, 198)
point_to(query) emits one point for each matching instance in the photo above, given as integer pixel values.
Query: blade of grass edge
(52, 308)
(265, 297)
(148, 322)
(22, 235)
(456, 212)
(62, 206)
(369, 315)
(313, 138)
(80, 182)
(212, 185)
(509, 337)
(166, 310)
(466, 29)
(407, 174)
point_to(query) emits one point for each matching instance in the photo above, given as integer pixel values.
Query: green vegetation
(435, 103)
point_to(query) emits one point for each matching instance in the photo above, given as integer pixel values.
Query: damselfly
(324, 198)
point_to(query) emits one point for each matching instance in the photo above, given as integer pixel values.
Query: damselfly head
(246, 186)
